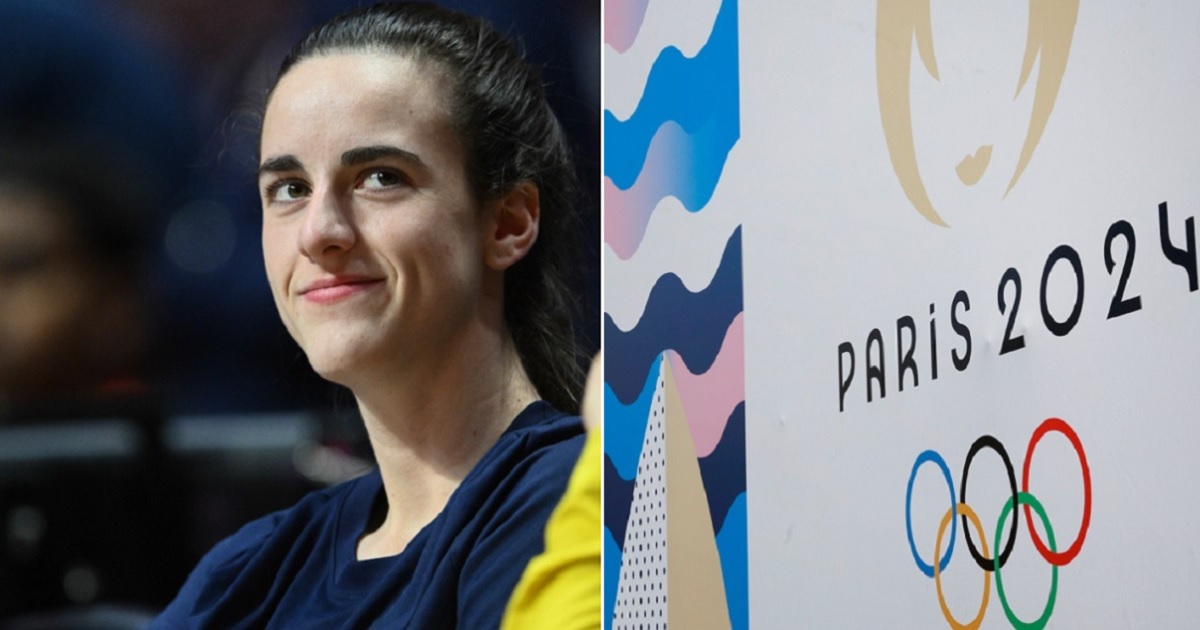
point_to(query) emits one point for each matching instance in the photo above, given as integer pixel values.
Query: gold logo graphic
(898, 22)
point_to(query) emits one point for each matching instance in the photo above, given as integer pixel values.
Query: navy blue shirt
(298, 568)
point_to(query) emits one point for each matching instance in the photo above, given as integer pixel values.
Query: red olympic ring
(1065, 557)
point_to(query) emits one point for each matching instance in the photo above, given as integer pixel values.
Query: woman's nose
(328, 227)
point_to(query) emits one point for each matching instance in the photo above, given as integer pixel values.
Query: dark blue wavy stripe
(691, 324)
(724, 470)
(618, 500)
(625, 425)
(612, 575)
(688, 91)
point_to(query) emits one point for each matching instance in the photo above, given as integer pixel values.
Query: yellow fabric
(560, 589)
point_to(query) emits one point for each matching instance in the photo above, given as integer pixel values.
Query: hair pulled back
(499, 108)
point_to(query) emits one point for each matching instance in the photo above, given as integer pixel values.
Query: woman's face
(372, 241)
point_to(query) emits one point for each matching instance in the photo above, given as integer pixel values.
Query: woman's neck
(431, 424)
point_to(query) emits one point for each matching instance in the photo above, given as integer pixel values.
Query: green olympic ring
(1040, 622)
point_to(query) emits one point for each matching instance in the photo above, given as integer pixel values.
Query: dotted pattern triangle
(642, 587)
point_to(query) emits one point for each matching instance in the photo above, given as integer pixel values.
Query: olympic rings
(988, 441)
(1040, 622)
(1011, 505)
(929, 456)
(1056, 424)
(967, 512)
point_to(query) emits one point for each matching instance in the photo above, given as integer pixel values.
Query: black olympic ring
(987, 441)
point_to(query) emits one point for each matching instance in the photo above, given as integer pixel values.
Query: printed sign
(971, 312)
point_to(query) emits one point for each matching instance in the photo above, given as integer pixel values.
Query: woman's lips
(328, 290)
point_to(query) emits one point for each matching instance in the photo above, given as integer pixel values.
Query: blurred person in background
(418, 199)
(94, 140)
(73, 340)
(73, 322)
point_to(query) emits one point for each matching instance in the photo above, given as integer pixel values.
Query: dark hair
(512, 136)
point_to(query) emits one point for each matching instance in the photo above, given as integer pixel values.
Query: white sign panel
(971, 312)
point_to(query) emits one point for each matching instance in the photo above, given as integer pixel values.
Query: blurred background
(150, 400)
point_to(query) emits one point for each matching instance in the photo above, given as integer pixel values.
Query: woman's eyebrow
(280, 164)
(361, 155)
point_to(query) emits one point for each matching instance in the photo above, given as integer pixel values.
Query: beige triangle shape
(695, 585)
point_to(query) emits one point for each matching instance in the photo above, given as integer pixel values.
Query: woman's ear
(512, 226)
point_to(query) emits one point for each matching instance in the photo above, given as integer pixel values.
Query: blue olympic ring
(930, 456)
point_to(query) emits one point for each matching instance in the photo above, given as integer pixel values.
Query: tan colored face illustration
(898, 23)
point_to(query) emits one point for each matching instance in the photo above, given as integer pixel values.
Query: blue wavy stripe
(688, 91)
(618, 500)
(612, 574)
(724, 470)
(709, 148)
(691, 324)
(731, 546)
(625, 425)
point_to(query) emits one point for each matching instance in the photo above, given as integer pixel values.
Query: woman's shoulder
(524, 473)
(541, 441)
(540, 426)
(501, 510)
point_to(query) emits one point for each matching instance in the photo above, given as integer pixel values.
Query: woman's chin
(336, 365)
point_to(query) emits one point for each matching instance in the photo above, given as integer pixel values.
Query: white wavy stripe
(685, 25)
(690, 245)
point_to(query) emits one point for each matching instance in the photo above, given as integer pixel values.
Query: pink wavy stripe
(709, 398)
(667, 172)
(622, 231)
(622, 21)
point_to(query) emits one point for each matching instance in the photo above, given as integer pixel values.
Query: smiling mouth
(335, 292)
(972, 167)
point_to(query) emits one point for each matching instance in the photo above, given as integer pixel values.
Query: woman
(415, 186)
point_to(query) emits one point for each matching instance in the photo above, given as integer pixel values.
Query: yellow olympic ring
(937, 573)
